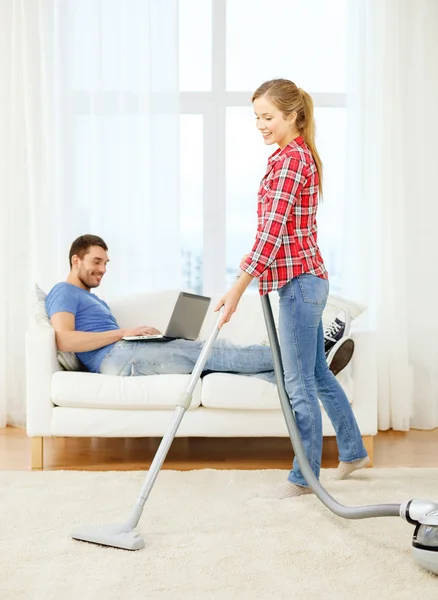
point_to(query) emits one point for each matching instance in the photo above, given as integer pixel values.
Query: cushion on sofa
(248, 325)
(68, 360)
(337, 303)
(88, 390)
(239, 392)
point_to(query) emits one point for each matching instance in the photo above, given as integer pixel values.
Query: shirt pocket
(264, 191)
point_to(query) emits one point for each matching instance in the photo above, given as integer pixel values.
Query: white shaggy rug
(207, 537)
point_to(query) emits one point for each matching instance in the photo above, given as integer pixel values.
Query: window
(302, 41)
(243, 51)
(225, 49)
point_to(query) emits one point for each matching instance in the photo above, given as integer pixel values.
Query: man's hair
(82, 244)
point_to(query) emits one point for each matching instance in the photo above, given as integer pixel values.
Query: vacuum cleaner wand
(123, 535)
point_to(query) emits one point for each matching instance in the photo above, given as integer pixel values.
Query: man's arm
(69, 340)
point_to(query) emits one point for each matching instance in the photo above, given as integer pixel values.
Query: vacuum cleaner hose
(359, 512)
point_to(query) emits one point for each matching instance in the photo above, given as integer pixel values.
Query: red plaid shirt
(286, 240)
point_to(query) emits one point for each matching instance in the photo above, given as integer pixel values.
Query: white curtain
(391, 253)
(89, 143)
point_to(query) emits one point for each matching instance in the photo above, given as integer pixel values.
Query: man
(85, 325)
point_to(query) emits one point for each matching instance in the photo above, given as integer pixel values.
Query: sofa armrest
(41, 363)
(364, 373)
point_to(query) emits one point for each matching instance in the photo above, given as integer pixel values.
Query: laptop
(185, 322)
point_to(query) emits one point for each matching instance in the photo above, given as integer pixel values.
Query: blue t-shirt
(91, 315)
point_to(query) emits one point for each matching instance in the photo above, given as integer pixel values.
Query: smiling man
(83, 322)
(85, 325)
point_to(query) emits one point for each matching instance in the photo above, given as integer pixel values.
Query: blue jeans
(307, 376)
(180, 356)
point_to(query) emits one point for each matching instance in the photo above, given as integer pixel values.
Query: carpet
(208, 537)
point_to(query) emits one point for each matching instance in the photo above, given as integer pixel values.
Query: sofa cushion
(247, 325)
(92, 390)
(237, 392)
(240, 392)
(68, 360)
(335, 304)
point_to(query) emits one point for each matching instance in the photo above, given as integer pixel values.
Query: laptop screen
(188, 316)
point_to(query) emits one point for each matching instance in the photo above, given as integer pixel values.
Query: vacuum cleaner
(422, 514)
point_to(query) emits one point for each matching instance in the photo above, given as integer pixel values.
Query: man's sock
(346, 468)
(286, 490)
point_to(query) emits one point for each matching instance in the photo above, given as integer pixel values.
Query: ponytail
(308, 132)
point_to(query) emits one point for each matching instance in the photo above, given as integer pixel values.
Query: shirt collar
(282, 152)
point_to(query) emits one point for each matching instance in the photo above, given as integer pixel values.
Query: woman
(285, 257)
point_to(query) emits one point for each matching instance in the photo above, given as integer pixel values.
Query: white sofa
(82, 404)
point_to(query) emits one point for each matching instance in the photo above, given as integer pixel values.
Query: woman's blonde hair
(289, 98)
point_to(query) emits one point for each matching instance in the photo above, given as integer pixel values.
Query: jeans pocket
(286, 292)
(314, 290)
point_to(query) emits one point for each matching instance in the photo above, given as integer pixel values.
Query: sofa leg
(37, 453)
(368, 442)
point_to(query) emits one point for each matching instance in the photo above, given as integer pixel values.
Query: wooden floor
(391, 449)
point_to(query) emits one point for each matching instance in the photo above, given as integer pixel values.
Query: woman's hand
(229, 301)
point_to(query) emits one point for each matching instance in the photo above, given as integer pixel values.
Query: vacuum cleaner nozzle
(115, 535)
